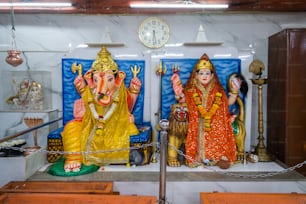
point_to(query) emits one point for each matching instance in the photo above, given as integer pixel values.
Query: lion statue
(178, 125)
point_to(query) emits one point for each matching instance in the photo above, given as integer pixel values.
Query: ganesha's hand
(135, 85)
(79, 83)
(79, 109)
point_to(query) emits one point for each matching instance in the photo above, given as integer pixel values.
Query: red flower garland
(207, 115)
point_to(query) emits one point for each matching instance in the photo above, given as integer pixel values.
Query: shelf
(105, 44)
(42, 51)
(202, 43)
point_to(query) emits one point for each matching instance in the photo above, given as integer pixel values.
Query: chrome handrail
(29, 130)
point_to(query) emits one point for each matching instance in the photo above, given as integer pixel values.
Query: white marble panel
(45, 39)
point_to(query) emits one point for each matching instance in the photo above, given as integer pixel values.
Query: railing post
(164, 126)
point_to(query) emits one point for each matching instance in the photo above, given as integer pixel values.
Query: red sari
(218, 140)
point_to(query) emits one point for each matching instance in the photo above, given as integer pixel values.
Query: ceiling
(122, 6)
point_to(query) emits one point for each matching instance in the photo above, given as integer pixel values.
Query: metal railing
(28, 130)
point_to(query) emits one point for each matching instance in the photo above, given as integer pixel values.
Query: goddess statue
(210, 138)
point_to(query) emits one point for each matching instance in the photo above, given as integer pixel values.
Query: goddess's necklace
(207, 115)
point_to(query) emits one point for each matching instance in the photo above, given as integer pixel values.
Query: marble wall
(45, 39)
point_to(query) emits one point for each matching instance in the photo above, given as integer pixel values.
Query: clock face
(154, 32)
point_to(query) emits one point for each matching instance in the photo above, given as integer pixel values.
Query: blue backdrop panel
(70, 94)
(224, 68)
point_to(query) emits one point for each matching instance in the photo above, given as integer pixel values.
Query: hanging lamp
(13, 58)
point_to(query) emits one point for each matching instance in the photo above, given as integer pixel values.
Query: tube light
(31, 4)
(178, 6)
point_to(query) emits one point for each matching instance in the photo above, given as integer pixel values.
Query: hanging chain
(236, 175)
(143, 146)
(14, 46)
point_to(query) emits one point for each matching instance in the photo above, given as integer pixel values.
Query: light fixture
(32, 4)
(178, 6)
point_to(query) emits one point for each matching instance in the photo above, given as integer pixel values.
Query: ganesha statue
(103, 122)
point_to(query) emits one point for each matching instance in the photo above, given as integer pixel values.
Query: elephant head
(103, 84)
(104, 78)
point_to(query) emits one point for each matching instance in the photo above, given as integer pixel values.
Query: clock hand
(154, 38)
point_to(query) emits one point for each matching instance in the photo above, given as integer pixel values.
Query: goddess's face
(204, 76)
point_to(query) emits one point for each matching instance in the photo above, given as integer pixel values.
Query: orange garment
(219, 140)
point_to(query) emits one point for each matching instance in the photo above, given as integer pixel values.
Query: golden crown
(104, 62)
(204, 63)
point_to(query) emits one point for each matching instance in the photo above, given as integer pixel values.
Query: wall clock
(153, 32)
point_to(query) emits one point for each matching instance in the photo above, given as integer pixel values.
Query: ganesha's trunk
(103, 95)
